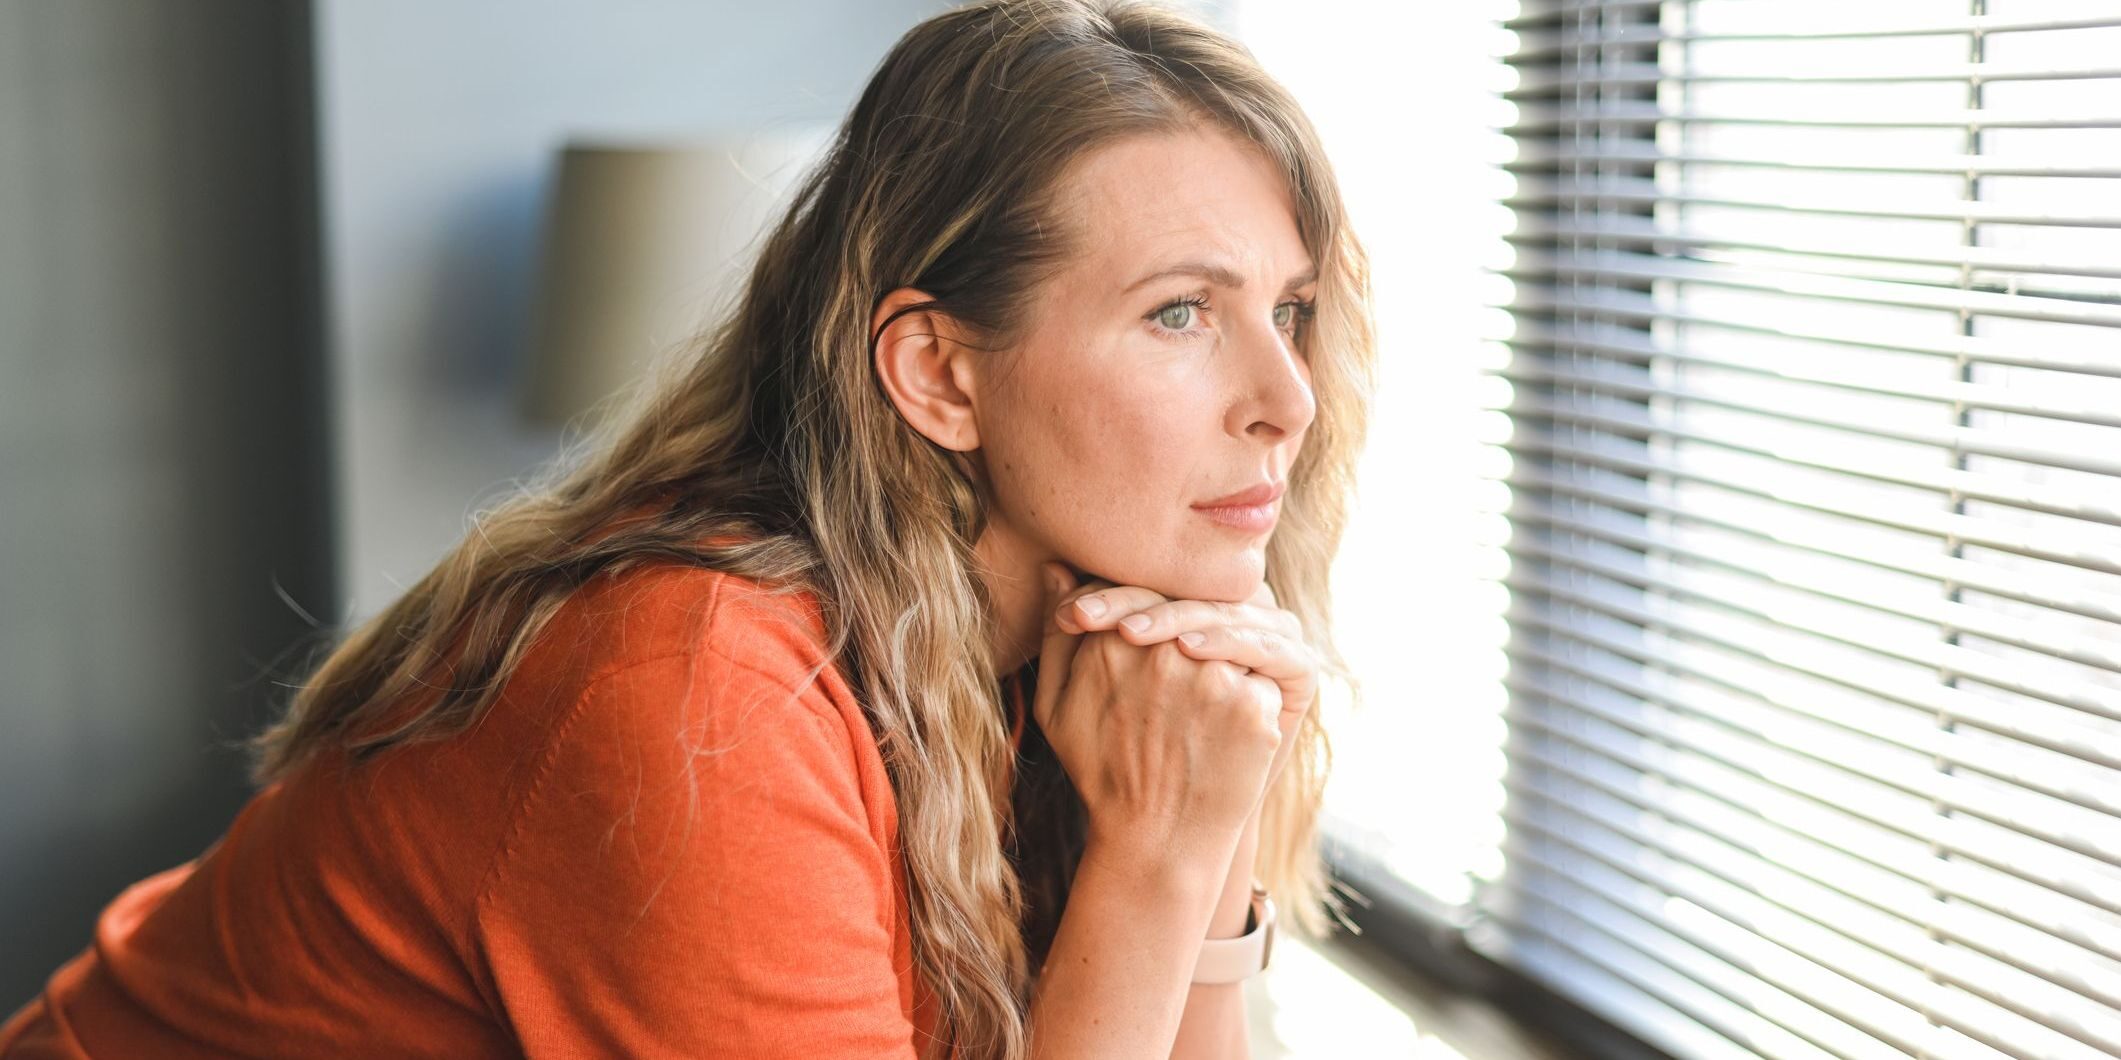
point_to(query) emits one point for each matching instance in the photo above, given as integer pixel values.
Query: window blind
(1813, 392)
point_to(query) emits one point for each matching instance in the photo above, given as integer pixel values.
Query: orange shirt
(663, 840)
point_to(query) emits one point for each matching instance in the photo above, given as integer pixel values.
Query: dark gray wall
(162, 466)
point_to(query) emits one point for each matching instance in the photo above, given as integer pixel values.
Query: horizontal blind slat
(1635, 305)
(1630, 377)
(1534, 41)
(1588, 194)
(1622, 493)
(1535, 80)
(1531, 116)
(1606, 230)
(1547, 154)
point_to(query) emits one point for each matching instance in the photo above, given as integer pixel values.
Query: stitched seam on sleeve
(513, 829)
(837, 722)
(546, 762)
(705, 644)
(826, 712)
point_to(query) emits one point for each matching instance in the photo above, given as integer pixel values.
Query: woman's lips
(1260, 494)
(1251, 518)
(1253, 510)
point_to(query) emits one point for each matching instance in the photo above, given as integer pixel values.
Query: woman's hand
(1256, 634)
(1170, 753)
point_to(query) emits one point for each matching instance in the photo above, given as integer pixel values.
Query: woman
(718, 744)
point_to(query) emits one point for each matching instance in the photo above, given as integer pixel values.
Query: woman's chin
(1206, 570)
(1229, 578)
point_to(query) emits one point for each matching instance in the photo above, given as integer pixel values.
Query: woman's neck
(1010, 567)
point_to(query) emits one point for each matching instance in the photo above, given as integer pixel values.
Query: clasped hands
(1256, 635)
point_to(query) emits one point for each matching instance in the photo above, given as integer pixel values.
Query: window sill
(1347, 998)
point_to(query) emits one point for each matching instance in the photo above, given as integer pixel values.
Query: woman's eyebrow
(1217, 274)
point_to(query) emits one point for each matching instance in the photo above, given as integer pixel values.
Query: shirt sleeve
(693, 873)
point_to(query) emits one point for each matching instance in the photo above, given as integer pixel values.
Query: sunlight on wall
(1405, 97)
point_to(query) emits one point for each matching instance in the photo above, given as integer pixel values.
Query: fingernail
(1091, 606)
(1137, 623)
(1192, 638)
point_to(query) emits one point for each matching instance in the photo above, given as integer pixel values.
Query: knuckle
(1269, 726)
(1225, 681)
(1230, 683)
(1104, 643)
(1167, 659)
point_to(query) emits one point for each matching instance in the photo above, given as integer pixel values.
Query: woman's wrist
(1233, 905)
(1187, 873)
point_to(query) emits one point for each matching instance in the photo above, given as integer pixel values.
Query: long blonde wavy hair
(773, 436)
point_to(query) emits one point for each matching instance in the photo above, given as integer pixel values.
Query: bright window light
(1406, 97)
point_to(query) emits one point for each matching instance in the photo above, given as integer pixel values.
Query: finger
(1161, 622)
(1287, 661)
(1267, 695)
(1056, 654)
(1099, 608)
(1080, 584)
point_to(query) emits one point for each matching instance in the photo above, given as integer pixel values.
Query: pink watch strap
(1234, 960)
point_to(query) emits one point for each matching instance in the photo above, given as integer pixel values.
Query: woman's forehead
(1150, 203)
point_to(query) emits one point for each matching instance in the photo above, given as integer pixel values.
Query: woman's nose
(1274, 400)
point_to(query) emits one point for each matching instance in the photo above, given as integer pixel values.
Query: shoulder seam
(546, 759)
(511, 831)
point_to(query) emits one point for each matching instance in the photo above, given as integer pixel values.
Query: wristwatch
(1234, 960)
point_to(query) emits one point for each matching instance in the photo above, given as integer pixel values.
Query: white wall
(439, 127)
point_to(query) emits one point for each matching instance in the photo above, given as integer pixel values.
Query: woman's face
(1160, 372)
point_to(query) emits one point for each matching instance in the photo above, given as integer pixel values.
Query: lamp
(642, 246)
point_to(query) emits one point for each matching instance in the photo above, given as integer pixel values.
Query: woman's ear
(925, 369)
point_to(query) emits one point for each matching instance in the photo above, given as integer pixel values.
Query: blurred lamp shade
(643, 245)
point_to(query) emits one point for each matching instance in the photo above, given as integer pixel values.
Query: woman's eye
(1177, 316)
(1284, 314)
